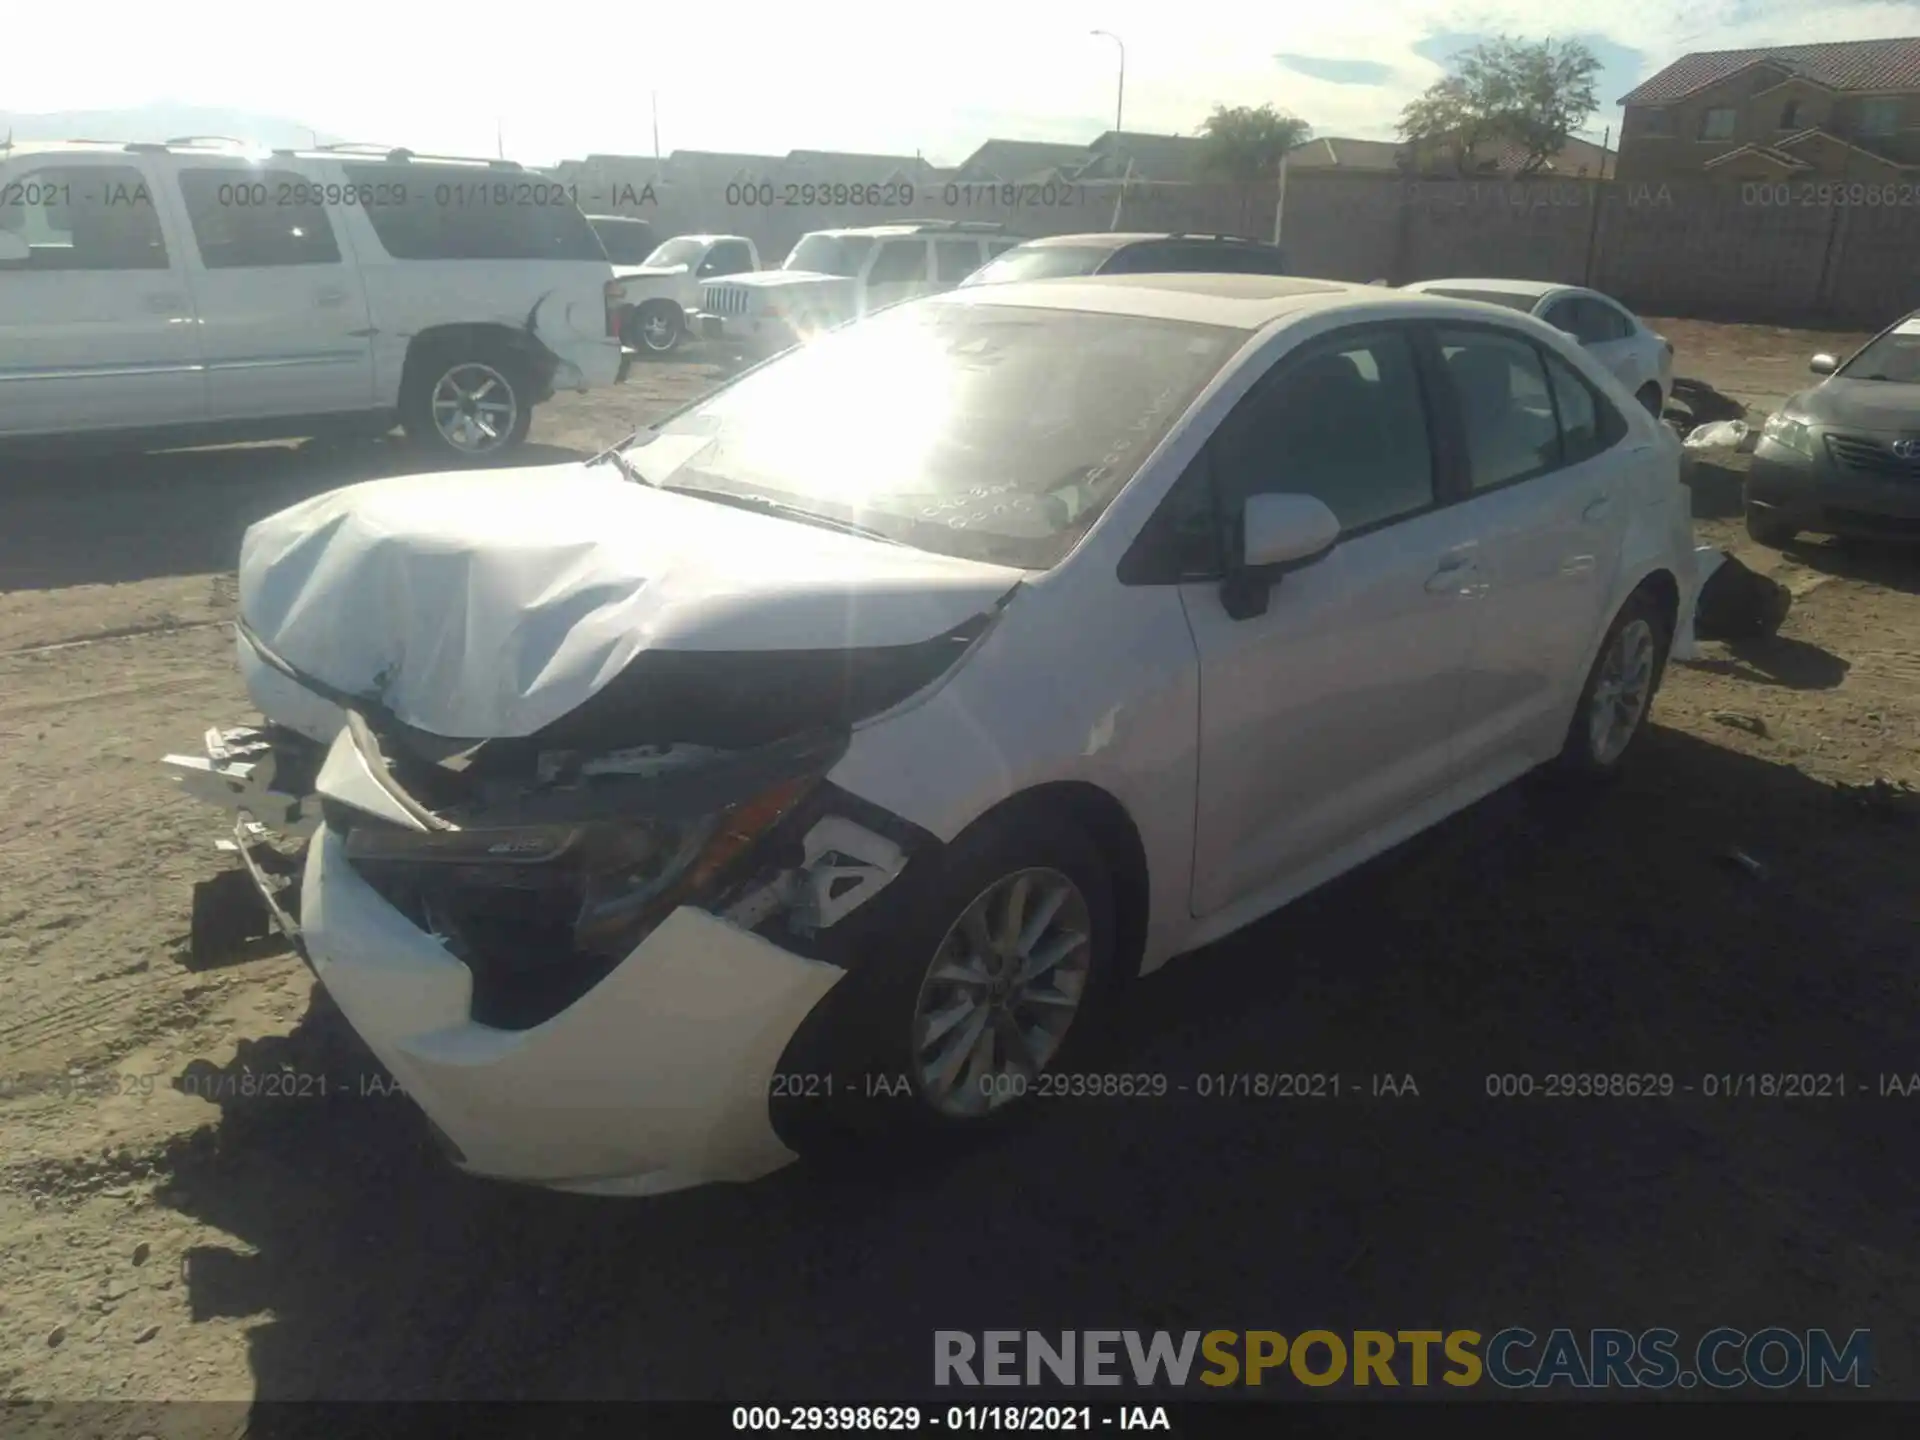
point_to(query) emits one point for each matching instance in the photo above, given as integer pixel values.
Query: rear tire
(471, 405)
(1768, 530)
(1618, 696)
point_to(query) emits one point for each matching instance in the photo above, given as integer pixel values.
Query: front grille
(724, 300)
(1871, 457)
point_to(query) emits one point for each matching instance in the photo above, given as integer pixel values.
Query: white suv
(200, 290)
(832, 276)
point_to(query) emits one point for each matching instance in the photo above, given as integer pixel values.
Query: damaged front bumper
(542, 1048)
(658, 1080)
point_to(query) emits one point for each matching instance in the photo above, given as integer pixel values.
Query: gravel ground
(170, 1236)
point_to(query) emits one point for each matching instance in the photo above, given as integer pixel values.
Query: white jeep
(832, 276)
(205, 290)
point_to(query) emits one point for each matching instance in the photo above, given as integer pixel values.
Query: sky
(563, 80)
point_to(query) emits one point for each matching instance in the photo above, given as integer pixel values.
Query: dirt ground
(168, 1234)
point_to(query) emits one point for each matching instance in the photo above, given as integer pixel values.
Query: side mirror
(14, 249)
(1278, 533)
(1823, 364)
(1571, 336)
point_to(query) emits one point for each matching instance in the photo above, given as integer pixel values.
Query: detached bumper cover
(240, 771)
(657, 1079)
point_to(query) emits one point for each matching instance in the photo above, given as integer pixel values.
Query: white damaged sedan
(826, 758)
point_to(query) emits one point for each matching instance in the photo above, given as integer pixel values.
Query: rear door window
(244, 218)
(467, 212)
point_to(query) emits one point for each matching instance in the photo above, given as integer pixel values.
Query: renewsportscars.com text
(1514, 1358)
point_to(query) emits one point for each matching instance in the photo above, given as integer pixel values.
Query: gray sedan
(1844, 457)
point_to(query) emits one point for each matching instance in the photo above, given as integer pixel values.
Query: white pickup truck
(657, 295)
(832, 276)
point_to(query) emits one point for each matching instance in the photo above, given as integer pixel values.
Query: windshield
(990, 432)
(1041, 262)
(625, 241)
(829, 254)
(1894, 356)
(683, 251)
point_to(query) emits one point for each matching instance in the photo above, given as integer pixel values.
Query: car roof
(1112, 240)
(917, 227)
(1535, 289)
(214, 146)
(1244, 302)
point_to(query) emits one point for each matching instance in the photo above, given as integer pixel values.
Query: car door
(96, 321)
(1547, 501)
(1601, 329)
(283, 312)
(1330, 717)
(898, 270)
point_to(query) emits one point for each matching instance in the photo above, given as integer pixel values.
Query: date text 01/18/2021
(1716, 1085)
(1071, 1418)
(1074, 1085)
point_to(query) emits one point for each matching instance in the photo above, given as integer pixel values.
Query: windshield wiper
(766, 505)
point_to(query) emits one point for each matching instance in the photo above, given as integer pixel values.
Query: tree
(1531, 94)
(1245, 143)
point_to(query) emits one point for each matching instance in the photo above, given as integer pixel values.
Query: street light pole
(1120, 99)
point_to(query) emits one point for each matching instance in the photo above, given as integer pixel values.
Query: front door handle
(1453, 569)
(166, 304)
(1598, 509)
(329, 299)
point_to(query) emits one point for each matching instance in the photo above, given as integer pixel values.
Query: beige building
(1843, 111)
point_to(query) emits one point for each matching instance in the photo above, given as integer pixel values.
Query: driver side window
(1344, 420)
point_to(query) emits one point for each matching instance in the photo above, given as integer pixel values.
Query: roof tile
(1842, 65)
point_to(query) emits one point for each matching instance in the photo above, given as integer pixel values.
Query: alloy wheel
(1005, 984)
(474, 408)
(1621, 691)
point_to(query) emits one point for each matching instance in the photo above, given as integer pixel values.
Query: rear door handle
(1598, 509)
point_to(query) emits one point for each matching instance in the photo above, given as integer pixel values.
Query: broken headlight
(595, 887)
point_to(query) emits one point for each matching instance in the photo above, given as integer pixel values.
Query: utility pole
(500, 137)
(654, 97)
(1120, 98)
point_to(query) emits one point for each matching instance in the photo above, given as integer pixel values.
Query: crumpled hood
(1859, 405)
(487, 605)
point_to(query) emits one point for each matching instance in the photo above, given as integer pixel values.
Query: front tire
(1618, 696)
(1649, 396)
(1768, 530)
(998, 969)
(470, 406)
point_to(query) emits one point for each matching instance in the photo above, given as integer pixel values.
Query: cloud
(774, 76)
(1338, 72)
